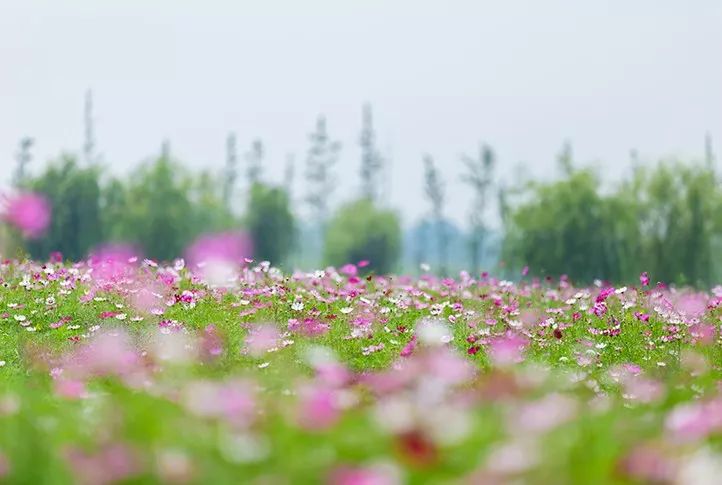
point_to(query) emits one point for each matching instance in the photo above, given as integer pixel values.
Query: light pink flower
(261, 339)
(111, 463)
(508, 349)
(317, 408)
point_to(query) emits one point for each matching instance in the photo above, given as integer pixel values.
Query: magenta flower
(29, 212)
(644, 279)
(349, 269)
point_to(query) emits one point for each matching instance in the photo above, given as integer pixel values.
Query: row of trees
(161, 207)
(665, 219)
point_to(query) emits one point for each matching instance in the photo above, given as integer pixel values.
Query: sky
(442, 77)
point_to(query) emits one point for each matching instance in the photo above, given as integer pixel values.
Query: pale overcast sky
(442, 76)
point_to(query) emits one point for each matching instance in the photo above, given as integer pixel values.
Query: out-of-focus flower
(318, 407)
(543, 414)
(431, 331)
(4, 466)
(649, 464)
(112, 263)
(507, 349)
(261, 339)
(217, 257)
(111, 463)
(174, 466)
(691, 422)
(233, 401)
(371, 475)
(27, 211)
(703, 467)
(644, 279)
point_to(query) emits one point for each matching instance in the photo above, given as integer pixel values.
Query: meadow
(210, 370)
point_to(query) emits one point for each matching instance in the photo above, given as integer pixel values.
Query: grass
(529, 384)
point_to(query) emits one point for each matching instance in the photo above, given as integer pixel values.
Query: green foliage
(663, 220)
(157, 216)
(74, 194)
(270, 223)
(361, 231)
(162, 210)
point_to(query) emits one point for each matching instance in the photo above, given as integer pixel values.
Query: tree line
(663, 219)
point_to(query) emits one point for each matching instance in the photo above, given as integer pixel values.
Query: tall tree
(231, 170)
(371, 160)
(75, 196)
(479, 173)
(159, 214)
(434, 190)
(322, 156)
(254, 162)
(89, 156)
(270, 224)
(23, 157)
(361, 231)
(289, 174)
(709, 157)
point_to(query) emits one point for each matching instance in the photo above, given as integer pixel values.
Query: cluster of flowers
(229, 364)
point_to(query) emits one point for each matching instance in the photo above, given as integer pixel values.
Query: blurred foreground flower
(27, 211)
(216, 258)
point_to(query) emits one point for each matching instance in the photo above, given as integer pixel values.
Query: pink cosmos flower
(644, 279)
(507, 349)
(110, 464)
(649, 465)
(211, 343)
(217, 257)
(29, 212)
(362, 476)
(694, 421)
(233, 401)
(112, 263)
(543, 414)
(318, 407)
(599, 309)
(261, 339)
(409, 347)
(349, 269)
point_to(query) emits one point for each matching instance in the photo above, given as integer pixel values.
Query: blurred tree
(371, 160)
(23, 157)
(479, 171)
(75, 197)
(159, 213)
(210, 213)
(254, 162)
(434, 190)
(289, 174)
(270, 224)
(561, 229)
(230, 170)
(360, 231)
(665, 221)
(89, 156)
(321, 158)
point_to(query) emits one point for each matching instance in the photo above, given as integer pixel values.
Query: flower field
(120, 369)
